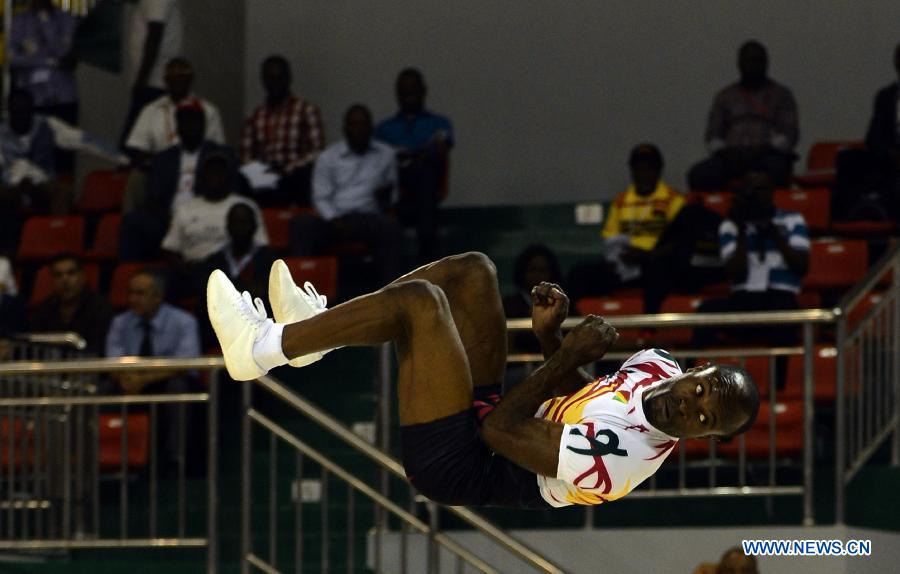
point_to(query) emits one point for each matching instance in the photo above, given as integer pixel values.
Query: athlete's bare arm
(512, 431)
(549, 308)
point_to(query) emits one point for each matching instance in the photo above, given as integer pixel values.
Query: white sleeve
(173, 241)
(608, 462)
(67, 136)
(141, 136)
(157, 10)
(214, 130)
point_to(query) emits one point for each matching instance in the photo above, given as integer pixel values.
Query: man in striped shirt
(559, 437)
(285, 135)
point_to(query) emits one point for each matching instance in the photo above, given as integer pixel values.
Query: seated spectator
(765, 251)
(245, 261)
(155, 36)
(868, 181)
(27, 142)
(155, 128)
(42, 62)
(352, 186)
(152, 328)
(534, 265)
(170, 184)
(637, 218)
(12, 312)
(72, 307)
(423, 141)
(734, 561)
(752, 123)
(281, 139)
(198, 228)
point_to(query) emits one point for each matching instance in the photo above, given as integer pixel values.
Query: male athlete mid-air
(559, 437)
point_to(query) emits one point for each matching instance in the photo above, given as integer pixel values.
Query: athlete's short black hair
(741, 387)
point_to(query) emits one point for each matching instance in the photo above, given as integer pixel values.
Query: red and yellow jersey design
(608, 447)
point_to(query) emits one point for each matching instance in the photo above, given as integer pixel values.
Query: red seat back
(836, 264)
(106, 239)
(44, 237)
(137, 426)
(823, 155)
(814, 204)
(322, 272)
(118, 288)
(102, 191)
(278, 224)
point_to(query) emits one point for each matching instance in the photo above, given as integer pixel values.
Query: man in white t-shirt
(155, 36)
(559, 437)
(156, 128)
(198, 227)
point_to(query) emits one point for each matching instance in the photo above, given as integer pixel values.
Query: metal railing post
(895, 285)
(840, 433)
(246, 464)
(212, 463)
(808, 424)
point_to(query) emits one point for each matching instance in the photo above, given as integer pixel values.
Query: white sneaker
(238, 324)
(291, 304)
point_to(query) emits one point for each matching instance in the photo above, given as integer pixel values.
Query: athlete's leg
(434, 380)
(469, 281)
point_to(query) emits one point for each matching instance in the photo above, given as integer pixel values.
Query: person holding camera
(765, 252)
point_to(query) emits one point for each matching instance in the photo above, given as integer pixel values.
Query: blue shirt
(766, 267)
(37, 42)
(415, 134)
(174, 333)
(344, 181)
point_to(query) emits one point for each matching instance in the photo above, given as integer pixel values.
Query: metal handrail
(388, 463)
(856, 294)
(70, 339)
(664, 320)
(705, 353)
(118, 364)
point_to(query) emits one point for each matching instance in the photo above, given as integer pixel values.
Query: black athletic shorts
(447, 461)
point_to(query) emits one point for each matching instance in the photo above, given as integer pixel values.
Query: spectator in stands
(637, 218)
(245, 261)
(73, 307)
(152, 328)
(198, 227)
(752, 123)
(423, 140)
(170, 184)
(154, 38)
(43, 63)
(868, 181)
(156, 129)
(27, 160)
(352, 187)
(534, 265)
(765, 252)
(734, 561)
(281, 139)
(12, 312)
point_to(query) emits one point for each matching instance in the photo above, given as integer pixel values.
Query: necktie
(146, 349)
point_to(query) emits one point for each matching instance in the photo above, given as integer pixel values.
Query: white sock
(267, 351)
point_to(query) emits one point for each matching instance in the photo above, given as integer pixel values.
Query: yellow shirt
(643, 219)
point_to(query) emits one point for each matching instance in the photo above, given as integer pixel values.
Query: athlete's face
(697, 403)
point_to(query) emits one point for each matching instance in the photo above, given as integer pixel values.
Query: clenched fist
(590, 340)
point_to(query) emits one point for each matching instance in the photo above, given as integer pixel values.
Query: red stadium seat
(322, 272)
(138, 428)
(788, 432)
(824, 375)
(679, 336)
(118, 288)
(44, 237)
(814, 204)
(106, 239)
(102, 191)
(20, 435)
(718, 201)
(862, 308)
(617, 304)
(43, 282)
(836, 264)
(278, 224)
(820, 163)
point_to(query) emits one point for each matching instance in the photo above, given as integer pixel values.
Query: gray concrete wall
(548, 97)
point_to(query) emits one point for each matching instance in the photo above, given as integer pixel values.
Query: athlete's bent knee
(419, 299)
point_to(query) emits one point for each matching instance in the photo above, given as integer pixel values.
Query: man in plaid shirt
(285, 134)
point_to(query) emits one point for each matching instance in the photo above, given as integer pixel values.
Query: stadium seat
(679, 336)
(21, 434)
(278, 224)
(102, 191)
(788, 432)
(43, 282)
(718, 201)
(44, 237)
(118, 288)
(138, 429)
(320, 271)
(836, 264)
(864, 228)
(859, 312)
(617, 304)
(824, 371)
(814, 204)
(106, 239)
(821, 162)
